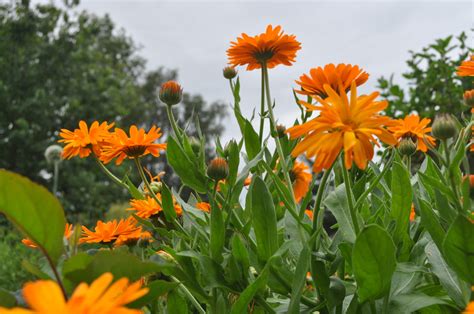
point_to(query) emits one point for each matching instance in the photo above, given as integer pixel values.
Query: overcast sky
(192, 36)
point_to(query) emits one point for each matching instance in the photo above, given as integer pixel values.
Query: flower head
(171, 93)
(109, 232)
(271, 48)
(333, 75)
(229, 72)
(343, 124)
(469, 98)
(148, 207)
(204, 206)
(218, 169)
(466, 68)
(68, 230)
(301, 178)
(102, 296)
(411, 126)
(138, 144)
(81, 142)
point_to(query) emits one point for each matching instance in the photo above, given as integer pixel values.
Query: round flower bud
(156, 187)
(280, 128)
(469, 98)
(229, 72)
(218, 169)
(444, 127)
(171, 93)
(53, 153)
(195, 145)
(407, 147)
(166, 256)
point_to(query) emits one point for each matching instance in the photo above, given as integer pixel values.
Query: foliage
(433, 86)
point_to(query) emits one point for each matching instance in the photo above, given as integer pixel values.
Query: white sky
(192, 36)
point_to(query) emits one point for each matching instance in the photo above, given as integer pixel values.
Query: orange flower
(271, 48)
(301, 179)
(148, 207)
(82, 141)
(133, 237)
(466, 68)
(342, 125)
(412, 127)
(309, 213)
(205, 207)
(469, 308)
(110, 231)
(139, 143)
(332, 75)
(67, 234)
(412, 213)
(102, 296)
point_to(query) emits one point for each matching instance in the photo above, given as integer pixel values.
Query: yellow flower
(343, 124)
(102, 296)
(272, 48)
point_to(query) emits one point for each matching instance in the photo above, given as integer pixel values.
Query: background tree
(59, 66)
(433, 86)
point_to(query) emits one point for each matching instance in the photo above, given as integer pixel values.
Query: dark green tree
(59, 66)
(433, 86)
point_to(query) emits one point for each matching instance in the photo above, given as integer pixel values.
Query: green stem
(110, 174)
(56, 177)
(319, 198)
(55, 272)
(262, 107)
(373, 309)
(176, 130)
(350, 201)
(189, 295)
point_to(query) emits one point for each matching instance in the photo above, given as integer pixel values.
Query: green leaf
(183, 166)
(239, 251)
(402, 196)
(299, 280)
(458, 248)
(136, 194)
(176, 304)
(240, 306)
(430, 221)
(263, 219)
(33, 210)
(217, 232)
(456, 289)
(167, 202)
(252, 142)
(234, 159)
(337, 203)
(7, 300)
(156, 289)
(410, 303)
(373, 262)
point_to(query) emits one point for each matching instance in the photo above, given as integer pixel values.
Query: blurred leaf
(373, 262)
(176, 304)
(7, 300)
(156, 288)
(337, 203)
(410, 303)
(33, 210)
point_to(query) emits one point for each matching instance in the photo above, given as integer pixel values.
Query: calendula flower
(68, 230)
(469, 308)
(332, 75)
(301, 178)
(102, 296)
(133, 237)
(139, 143)
(148, 207)
(81, 142)
(109, 232)
(345, 125)
(466, 68)
(412, 127)
(205, 207)
(271, 48)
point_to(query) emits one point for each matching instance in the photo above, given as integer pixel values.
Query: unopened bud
(156, 187)
(444, 127)
(218, 169)
(171, 93)
(195, 145)
(229, 72)
(407, 147)
(280, 128)
(166, 256)
(53, 153)
(469, 98)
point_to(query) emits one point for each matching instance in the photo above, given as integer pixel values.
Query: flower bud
(407, 147)
(229, 72)
(218, 169)
(280, 128)
(171, 93)
(156, 187)
(195, 145)
(53, 153)
(444, 127)
(469, 98)
(166, 256)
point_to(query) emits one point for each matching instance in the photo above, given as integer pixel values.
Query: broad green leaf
(299, 280)
(410, 303)
(7, 300)
(136, 194)
(456, 288)
(176, 304)
(402, 196)
(430, 221)
(188, 172)
(217, 232)
(252, 142)
(167, 203)
(33, 210)
(337, 203)
(156, 289)
(239, 251)
(263, 219)
(234, 160)
(373, 262)
(240, 306)
(458, 248)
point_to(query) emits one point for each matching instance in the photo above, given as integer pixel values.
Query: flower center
(264, 55)
(135, 150)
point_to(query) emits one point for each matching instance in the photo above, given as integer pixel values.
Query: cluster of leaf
(59, 66)
(257, 251)
(433, 86)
